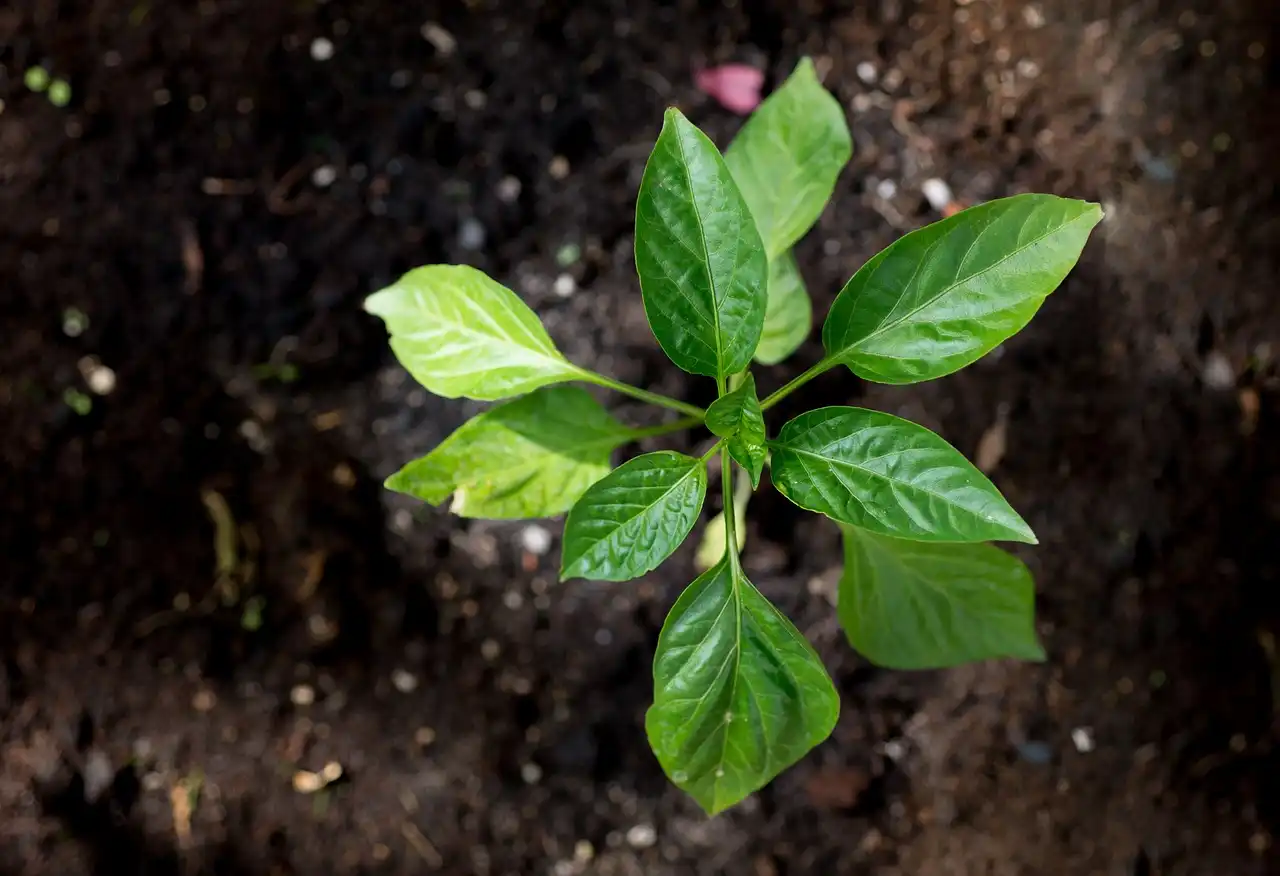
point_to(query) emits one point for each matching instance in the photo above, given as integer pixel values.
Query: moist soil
(207, 597)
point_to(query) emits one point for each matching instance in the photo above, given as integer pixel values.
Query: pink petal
(735, 86)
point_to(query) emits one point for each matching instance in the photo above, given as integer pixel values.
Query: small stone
(564, 285)
(441, 40)
(321, 49)
(867, 72)
(324, 175)
(404, 681)
(204, 700)
(471, 234)
(512, 599)
(1038, 753)
(97, 774)
(642, 836)
(305, 782)
(509, 189)
(886, 189)
(490, 649)
(895, 750)
(475, 99)
(101, 380)
(937, 193)
(302, 695)
(583, 851)
(604, 637)
(424, 736)
(1218, 373)
(531, 773)
(1082, 739)
(559, 167)
(535, 539)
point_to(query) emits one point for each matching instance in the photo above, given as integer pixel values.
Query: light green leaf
(787, 156)
(739, 694)
(890, 476)
(701, 263)
(462, 335)
(714, 538)
(789, 314)
(529, 457)
(634, 518)
(911, 605)
(736, 417)
(945, 295)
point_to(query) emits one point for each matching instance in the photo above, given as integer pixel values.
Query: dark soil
(486, 718)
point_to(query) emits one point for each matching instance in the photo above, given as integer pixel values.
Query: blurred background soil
(206, 597)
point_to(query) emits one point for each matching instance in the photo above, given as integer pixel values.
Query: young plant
(739, 694)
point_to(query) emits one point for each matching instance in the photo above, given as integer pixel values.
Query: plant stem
(666, 428)
(644, 395)
(730, 511)
(794, 384)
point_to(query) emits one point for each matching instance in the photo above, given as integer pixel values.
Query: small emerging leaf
(702, 266)
(788, 317)
(787, 156)
(737, 418)
(945, 295)
(529, 457)
(890, 476)
(739, 694)
(462, 335)
(634, 518)
(911, 605)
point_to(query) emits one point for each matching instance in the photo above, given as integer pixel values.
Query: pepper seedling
(739, 694)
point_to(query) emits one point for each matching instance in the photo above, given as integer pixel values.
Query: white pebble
(490, 649)
(886, 189)
(937, 193)
(324, 175)
(535, 539)
(440, 39)
(302, 695)
(321, 49)
(509, 189)
(642, 836)
(531, 773)
(471, 234)
(895, 750)
(1218, 373)
(404, 681)
(101, 380)
(867, 72)
(565, 286)
(559, 167)
(1082, 738)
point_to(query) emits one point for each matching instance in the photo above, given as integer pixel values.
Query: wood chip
(994, 442)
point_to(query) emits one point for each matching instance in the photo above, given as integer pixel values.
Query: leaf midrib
(888, 326)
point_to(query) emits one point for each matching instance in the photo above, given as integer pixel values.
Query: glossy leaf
(787, 156)
(462, 335)
(702, 266)
(788, 317)
(739, 694)
(737, 418)
(529, 457)
(634, 518)
(889, 476)
(714, 537)
(912, 605)
(945, 295)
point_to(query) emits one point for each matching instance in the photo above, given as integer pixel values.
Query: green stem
(666, 428)
(644, 395)
(730, 512)
(794, 384)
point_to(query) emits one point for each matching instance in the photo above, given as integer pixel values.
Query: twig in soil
(423, 846)
(192, 257)
(278, 201)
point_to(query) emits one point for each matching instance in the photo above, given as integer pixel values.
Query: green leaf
(945, 295)
(714, 538)
(462, 335)
(634, 518)
(739, 694)
(529, 457)
(701, 263)
(890, 476)
(737, 418)
(787, 156)
(789, 314)
(911, 605)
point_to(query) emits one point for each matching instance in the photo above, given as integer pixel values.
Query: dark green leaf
(787, 156)
(789, 314)
(737, 418)
(460, 334)
(889, 476)
(529, 457)
(739, 694)
(634, 518)
(701, 263)
(945, 295)
(912, 605)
